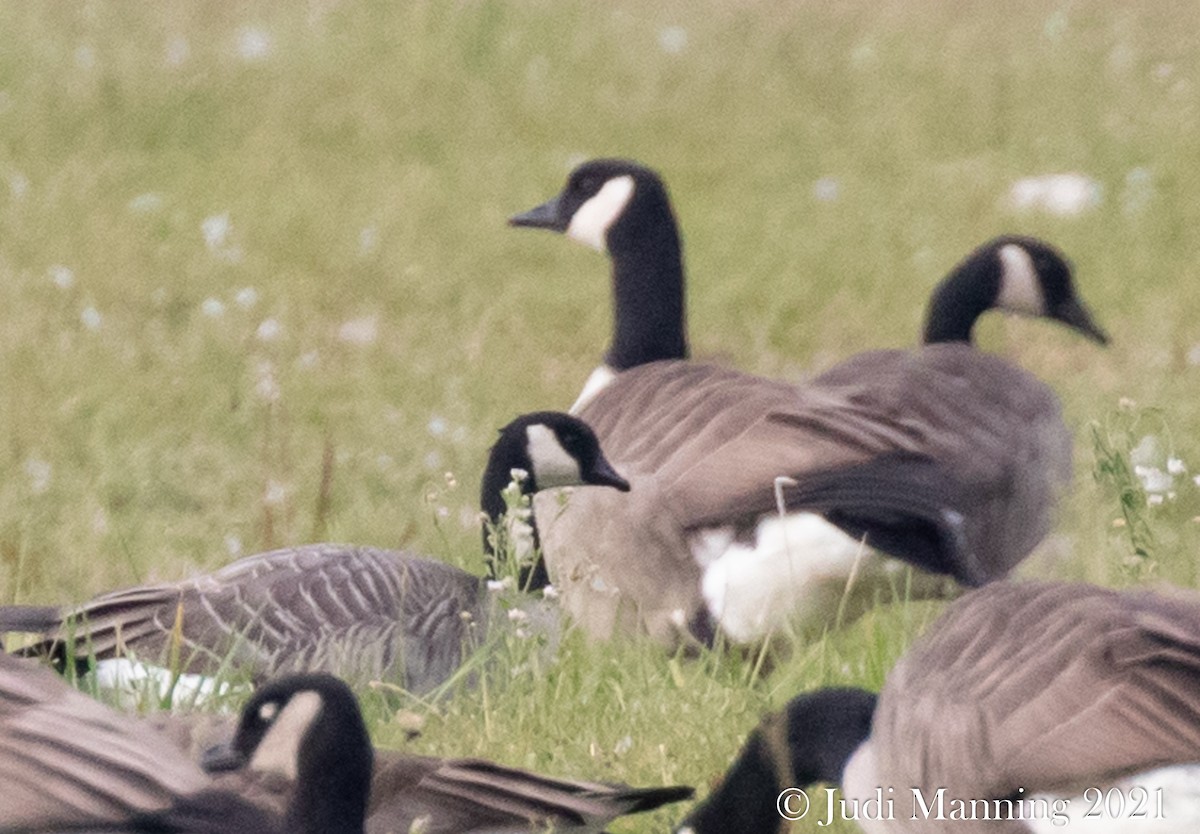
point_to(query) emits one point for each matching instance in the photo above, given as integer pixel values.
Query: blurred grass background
(256, 286)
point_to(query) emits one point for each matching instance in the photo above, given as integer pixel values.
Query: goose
(431, 794)
(1048, 706)
(356, 610)
(68, 763)
(945, 457)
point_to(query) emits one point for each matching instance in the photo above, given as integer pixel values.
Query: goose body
(1053, 694)
(439, 795)
(68, 763)
(359, 611)
(945, 457)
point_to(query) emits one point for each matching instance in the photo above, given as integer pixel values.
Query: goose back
(1052, 687)
(946, 457)
(361, 612)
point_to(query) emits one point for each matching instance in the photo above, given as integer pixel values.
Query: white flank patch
(553, 466)
(860, 779)
(597, 382)
(593, 219)
(1113, 806)
(797, 564)
(1020, 289)
(134, 682)
(279, 750)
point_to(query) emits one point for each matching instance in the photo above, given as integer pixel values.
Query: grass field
(256, 286)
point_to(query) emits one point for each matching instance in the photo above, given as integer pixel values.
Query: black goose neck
(496, 476)
(746, 798)
(331, 798)
(958, 302)
(648, 283)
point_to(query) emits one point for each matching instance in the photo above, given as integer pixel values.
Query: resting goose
(1019, 710)
(355, 610)
(68, 763)
(945, 457)
(436, 795)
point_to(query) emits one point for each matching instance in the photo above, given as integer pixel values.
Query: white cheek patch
(597, 382)
(1020, 289)
(593, 219)
(279, 750)
(553, 466)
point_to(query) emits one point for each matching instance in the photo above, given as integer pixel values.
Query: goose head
(621, 208)
(603, 198)
(552, 449)
(307, 729)
(1016, 274)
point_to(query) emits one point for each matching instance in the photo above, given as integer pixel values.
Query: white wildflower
(1153, 479)
(361, 331)
(62, 276)
(145, 203)
(38, 471)
(246, 297)
(672, 39)
(233, 545)
(253, 43)
(85, 57)
(368, 240)
(827, 189)
(90, 318)
(518, 615)
(1176, 466)
(275, 494)
(214, 308)
(269, 330)
(215, 229)
(177, 51)
(18, 184)
(1065, 195)
(266, 385)
(550, 592)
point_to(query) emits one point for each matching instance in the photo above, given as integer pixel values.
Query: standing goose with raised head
(359, 611)
(945, 457)
(68, 763)
(1020, 710)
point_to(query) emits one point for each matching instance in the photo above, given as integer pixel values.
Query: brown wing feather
(716, 439)
(66, 760)
(462, 795)
(1044, 686)
(703, 445)
(352, 610)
